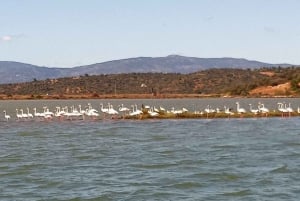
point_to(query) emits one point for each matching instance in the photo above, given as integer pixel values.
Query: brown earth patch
(268, 73)
(278, 90)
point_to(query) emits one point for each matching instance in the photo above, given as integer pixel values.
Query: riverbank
(103, 96)
(128, 96)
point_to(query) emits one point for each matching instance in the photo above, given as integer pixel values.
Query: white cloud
(11, 37)
(6, 38)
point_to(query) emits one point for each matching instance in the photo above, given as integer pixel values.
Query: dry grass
(277, 90)
(267, 73)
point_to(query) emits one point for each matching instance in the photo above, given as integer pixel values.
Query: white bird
(91, 112)
(122, 108)
(111, 110)
(184, 109)
(23, 115)
(227, 111)
(29, 114)
(135, 111)
(153, 113)
(209, 110)
(282, 109)
(175, 111)
(36, 114)
(254, 111)
(6, 116)
(289, 108)
(19, 116)
(162, 109)
(262, 108)
(239, 109)
(155, 109)
(104, 110)
(67, 114)
(48, 114)
(59, 113)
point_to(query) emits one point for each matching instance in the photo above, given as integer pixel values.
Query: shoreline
(127, 96)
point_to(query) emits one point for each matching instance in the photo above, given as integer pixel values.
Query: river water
(182, 159)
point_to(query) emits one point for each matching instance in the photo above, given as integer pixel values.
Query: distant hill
(13, 72)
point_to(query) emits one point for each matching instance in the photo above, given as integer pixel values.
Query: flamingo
(282, 109)
(6, 116)
(209, 110)
(155, 109)
(263, 109)
(184, 110)
(29, 115)
(23, 115)
(19, 116)
(153, 113)
(289, 109)
(91, 112)
(122, 108)
(162, 109)
(48, 114)
(135, 111)
(175, 111)
(82, 112)
(104, 110)
(75, 112)
(67, 113)
(59, 113)
(112, 111)
(239, 109)
(227, 111)
(254, 111)
(37, 114)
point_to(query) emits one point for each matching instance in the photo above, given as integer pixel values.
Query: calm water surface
(194, 159)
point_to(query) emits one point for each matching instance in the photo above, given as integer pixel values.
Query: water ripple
(222, 159)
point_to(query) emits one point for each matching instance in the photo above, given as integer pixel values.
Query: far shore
(127, 96)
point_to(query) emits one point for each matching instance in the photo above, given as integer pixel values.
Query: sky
(69, 33)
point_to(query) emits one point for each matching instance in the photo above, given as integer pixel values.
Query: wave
(238, 193)
(282, 169)
(187, 185)
(219, 176)
(154, 166)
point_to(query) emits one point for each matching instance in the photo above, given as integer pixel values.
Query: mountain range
(15, 72)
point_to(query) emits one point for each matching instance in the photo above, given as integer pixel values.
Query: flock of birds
(88, 112)
(283, 108)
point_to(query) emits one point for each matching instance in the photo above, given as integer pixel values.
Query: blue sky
(68, 33)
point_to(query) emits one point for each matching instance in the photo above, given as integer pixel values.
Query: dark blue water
(198, 159)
